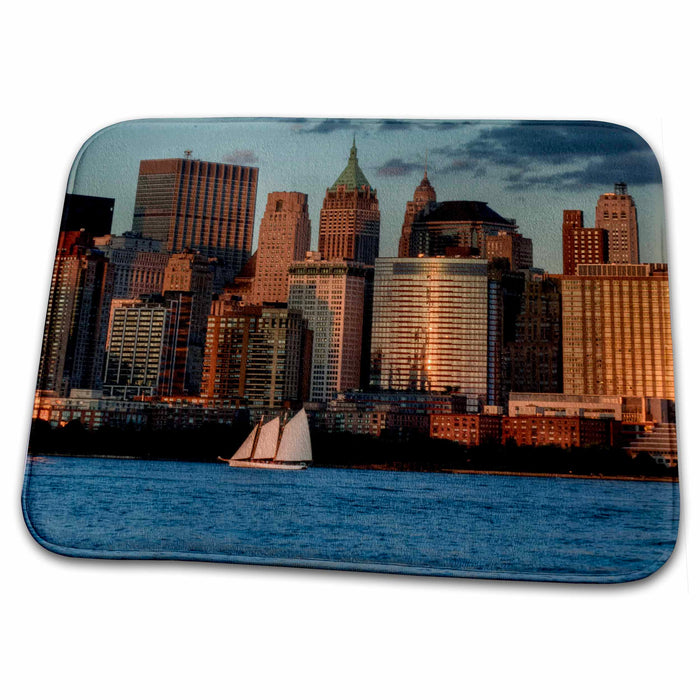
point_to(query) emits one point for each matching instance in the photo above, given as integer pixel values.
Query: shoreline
(434, 469)
(503, 472)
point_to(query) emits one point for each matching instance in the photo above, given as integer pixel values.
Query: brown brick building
(467, 429)
(582, 245)
(560, 431)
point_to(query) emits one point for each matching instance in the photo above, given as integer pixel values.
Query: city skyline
(526, 171)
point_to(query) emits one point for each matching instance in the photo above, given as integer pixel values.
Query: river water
(487, 526)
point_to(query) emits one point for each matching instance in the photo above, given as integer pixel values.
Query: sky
(528, 171)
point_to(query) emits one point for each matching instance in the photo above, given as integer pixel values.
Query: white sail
(246, 449)
(267, 442)
(295, 445)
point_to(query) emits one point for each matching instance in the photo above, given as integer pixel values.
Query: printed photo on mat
(432, 347)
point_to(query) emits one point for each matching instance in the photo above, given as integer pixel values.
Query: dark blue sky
(529, 171)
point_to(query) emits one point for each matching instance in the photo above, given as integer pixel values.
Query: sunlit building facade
(73, 342)
(198, 205)
(436, 327)
(617, 214)
(148, 345)
(349, 222)
(616, 331)
(284, 237)
(256, 356)
(331, 296)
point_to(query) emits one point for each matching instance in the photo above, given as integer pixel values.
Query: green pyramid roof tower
(352, 177)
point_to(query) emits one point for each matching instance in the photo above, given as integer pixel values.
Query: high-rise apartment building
(192, 273)
(349, 223)
(198, 205)
(284, 237)
(424, 195)
(617, 214)
(331, 296)
(73, 342)
(256, 356)
(147, 346)
(616, 331)
(436, 326)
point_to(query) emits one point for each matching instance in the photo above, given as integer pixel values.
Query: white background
(86, 629)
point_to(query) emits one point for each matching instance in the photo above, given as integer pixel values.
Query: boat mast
(279, 437)
(257, 435)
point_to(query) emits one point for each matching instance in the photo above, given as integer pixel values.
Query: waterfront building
(284, 237)
(148, 345)
(93, 214)
(616, 331)
(617, 214)
(436, 327)
(582, 245)
(331, 297)
(349, 223)
(464, 225)
(400, 413)
(198, 205)
(468, 429)
(424, 195)
(72, 348)
(629, 410)
(96, 411)
(256, 356)
(562, 432)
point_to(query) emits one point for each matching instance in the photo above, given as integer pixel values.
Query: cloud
(564, 154)
(397, 167)
(423, 124)
(240, 157)
(328, 126)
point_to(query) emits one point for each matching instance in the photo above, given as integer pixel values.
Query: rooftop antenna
(188, 154)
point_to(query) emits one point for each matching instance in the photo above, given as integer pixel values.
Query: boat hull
(249, 464)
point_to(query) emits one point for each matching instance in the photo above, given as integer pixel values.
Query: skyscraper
(191, 273)
(331, 296)
(617, 214)
(256, 356)
(206, 207)
(72, 347)
(285, 236)
(532, 350)
(616, 331)
(147, 346)
(424, 194)
(349, 224)
(436, 326)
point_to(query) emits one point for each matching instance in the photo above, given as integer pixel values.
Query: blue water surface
(493, 526)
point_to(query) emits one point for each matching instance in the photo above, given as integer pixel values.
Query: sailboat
(276, 445)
